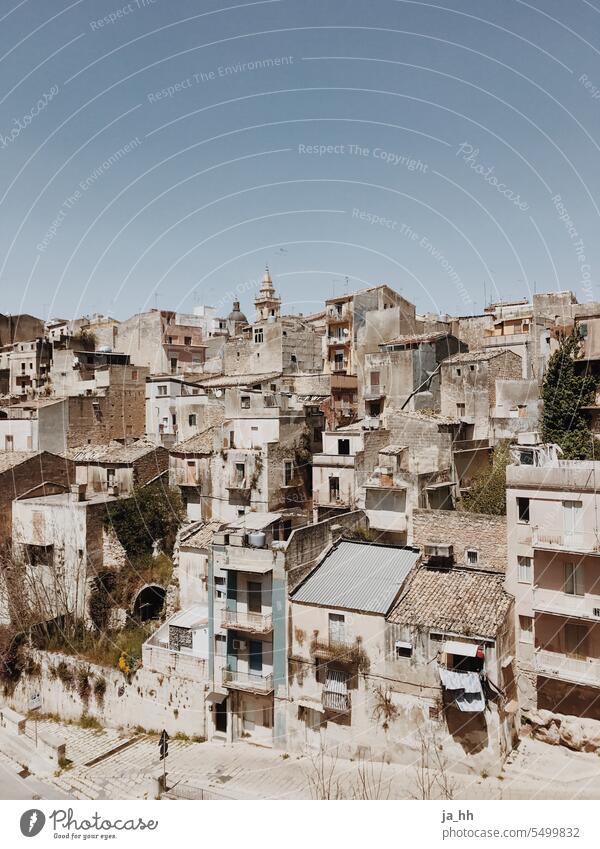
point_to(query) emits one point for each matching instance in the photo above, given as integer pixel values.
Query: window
(523, 509)
(288, 472)
(110, 477)
(170, 340)
(173, 365)
(472, 556)
(162, 390)
(344, 447)
(258, 335)
(134, 374)
(525, 569)
(219, 587)
(254, 597)
(458, 372)
(231, 439)
(460, 410)
(187, 340)
(374, 380)
(575, 637)
(192, 420)
(471, 368)
(334, 489)
(220, 645)
(574, 579)
(294, 358)
(526, 629)
(9, 443)
(403, 649)
(337, 628)
(240, 472)
(245, 402)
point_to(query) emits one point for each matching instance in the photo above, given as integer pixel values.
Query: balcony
(583, 542)
(564, 604)
(337, 461)
(252, 682)
(575, 670)
(373, 393)
(255, 623)
(239, 484)
(336, 702)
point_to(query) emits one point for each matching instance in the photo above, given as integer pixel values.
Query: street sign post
(35, 703)
(163, 748)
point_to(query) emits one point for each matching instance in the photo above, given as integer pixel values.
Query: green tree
(154, 512)
(566, 390)
(488, 492)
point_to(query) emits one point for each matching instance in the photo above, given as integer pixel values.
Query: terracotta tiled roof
(113, 452)
(10, 459)
(458, 601)
(477, 356)
(204, 442)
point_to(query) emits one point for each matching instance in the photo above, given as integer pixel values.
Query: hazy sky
(160, 153)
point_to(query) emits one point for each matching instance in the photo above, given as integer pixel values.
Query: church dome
(236, 314)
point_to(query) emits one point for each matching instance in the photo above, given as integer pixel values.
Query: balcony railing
(559, 603)
(241, 484)
(257, 623)
(337, 702)
(584, 542)
(572, 669)
(256, 682)
(373, 393)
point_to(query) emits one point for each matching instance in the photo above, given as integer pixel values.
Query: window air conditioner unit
(239, 645)
(439, 556)
(439, 550)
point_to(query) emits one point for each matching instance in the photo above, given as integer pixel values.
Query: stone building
(29, 364)
(176, 409)
(472, 540)
(163, 341)
(19, 328)
(116, 468)
(405, 373)
(36, 425)
(358, 323)
(553, 544)
(26, 473)
(384, 650)
(254, 563)
(468, 387)
(60, 539)
(273, 343)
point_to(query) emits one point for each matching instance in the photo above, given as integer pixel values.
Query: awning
(309, 704)
(464, 649)
(216, 698)
(403, 644)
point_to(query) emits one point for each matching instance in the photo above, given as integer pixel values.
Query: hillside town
(366, 534)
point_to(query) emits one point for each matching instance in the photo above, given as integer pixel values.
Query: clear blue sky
(446, 134)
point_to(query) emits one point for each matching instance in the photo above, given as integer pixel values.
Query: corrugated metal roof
(358, 576)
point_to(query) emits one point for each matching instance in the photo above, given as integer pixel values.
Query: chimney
(78, 492)
(335, 533)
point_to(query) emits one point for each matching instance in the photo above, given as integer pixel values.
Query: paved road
(12, 786)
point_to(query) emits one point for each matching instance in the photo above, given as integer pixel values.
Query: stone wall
(151, 700)
(485, 534)
(97, 420)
